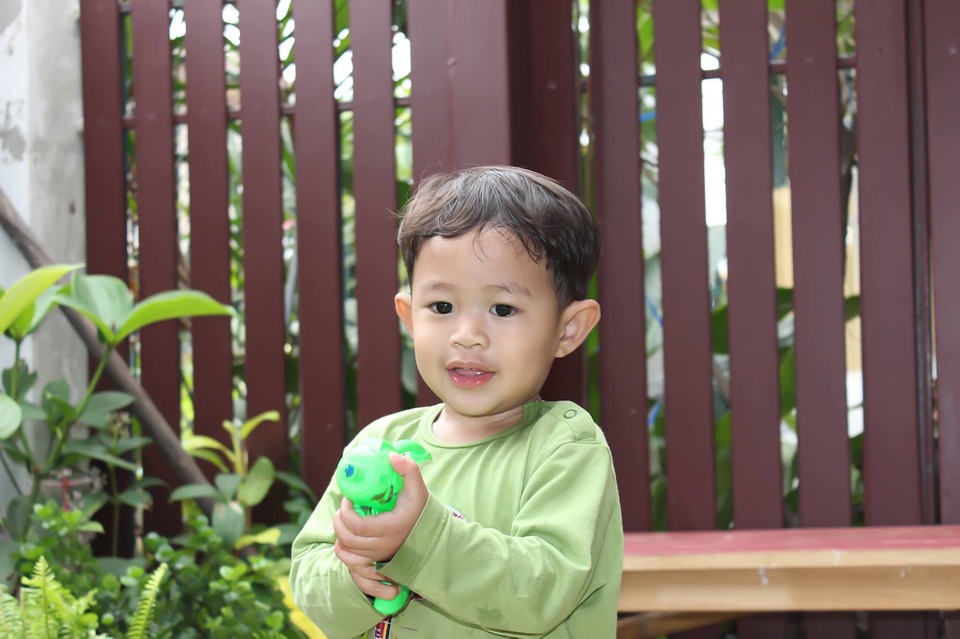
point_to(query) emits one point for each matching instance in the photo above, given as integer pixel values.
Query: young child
(513, 528)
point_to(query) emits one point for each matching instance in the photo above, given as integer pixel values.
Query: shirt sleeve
(527, 582)
(321, 584)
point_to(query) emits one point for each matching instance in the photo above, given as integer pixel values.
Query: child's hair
(549, 222)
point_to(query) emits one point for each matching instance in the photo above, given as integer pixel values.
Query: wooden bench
(685, 580)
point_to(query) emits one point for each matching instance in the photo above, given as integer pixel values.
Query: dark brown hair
(551, 224)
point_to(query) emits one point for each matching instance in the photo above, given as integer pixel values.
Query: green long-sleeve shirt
(521, 536)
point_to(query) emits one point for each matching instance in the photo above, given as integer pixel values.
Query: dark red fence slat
(688, 396)
(375, 191)
(209, 221)
(547, 129)
(431, 64)
(157, 219)
(262, 235)
(616, 129)
(106, 206)
(891, 456)
(817, 217)
(891, 414)
(480, 82)
(943, 95)
(319, 253)
(814, 156)
(754, 368)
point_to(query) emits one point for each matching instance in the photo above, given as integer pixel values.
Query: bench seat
(742, 571)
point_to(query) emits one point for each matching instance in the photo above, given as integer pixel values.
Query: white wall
(41, 165)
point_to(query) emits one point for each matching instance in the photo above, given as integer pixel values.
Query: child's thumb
(408, 469)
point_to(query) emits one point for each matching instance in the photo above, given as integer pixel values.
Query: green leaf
(105, 300)
(257, 483)
(126, 444)
(18, 516)
(27, 289)
(135, 498)
(32, 412)
(192, 443)
(228, 483)
(92, 450)
(107, 402)
(270, 536)
(11, 416)
(294, 481)
(229, 522)
(196, 491)
(171, 305)
(252, 423)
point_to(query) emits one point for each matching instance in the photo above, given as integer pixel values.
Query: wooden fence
(497, 82)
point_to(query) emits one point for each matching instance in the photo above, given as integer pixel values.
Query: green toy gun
(367, 479)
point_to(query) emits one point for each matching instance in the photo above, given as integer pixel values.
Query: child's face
(485, 323)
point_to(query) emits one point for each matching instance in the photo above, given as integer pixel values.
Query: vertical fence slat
(891, 456)
(430, 87)
(209, 221)
(319, 253)
(616, 128)
(430, 106)
(943, 95)
(550, 133)
(262, 235)
(891, 452)
(157, 219)
(480, 82)
(814, 154)
(754, 368)
(817, 221)
(106, 207)
(688, 396)
(375, 191)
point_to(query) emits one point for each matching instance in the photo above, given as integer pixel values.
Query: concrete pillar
(41, 167)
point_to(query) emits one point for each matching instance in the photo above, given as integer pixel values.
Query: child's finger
(412, 479)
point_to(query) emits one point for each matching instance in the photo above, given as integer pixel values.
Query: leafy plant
(107, 302)
(47, 609)
(239, 486)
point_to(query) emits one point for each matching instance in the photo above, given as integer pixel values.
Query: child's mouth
(469, 377)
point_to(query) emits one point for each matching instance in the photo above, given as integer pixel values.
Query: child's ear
(404, 306)
(577, 320)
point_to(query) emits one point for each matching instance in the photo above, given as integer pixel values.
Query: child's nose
(469, 332)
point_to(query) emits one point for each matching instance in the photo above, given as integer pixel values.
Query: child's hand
(365, 574)
(379, 537)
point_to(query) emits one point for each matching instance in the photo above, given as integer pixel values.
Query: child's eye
(441, 308)
(503, 310)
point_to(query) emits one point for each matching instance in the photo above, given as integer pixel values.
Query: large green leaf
(92, 450)
(257, 483)
(227, 483)
(105, 300)
(229, 522)
(101, 405)
(10, 416)
(195, 491)
(171, 305)
(28, 288)
(252, 423)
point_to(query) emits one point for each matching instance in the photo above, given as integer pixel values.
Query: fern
(48, 610)
(147, 605)
(11, 625)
